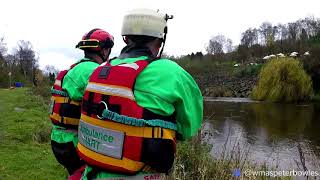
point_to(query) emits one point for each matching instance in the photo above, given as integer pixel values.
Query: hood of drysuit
(133, 51)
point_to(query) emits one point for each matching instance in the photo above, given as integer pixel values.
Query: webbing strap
(125, 163)
(106, 114)
(61, 93)
(65, 120)
(154, 176)
(146, 132)
(65, 100)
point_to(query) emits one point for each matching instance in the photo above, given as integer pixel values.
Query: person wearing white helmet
(137, 106)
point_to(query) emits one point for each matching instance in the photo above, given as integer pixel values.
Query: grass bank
(25, 150)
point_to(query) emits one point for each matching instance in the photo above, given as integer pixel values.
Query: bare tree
(293, 30)
(249, 37)
(3, 47)
(265, 30)
(26, 58)
(228, 46)
(282, 32)
(218, 45)
(49, 69)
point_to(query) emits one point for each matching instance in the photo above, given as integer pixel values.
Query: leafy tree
(283, 80)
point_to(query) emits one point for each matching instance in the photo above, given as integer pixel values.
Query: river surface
(282, 136)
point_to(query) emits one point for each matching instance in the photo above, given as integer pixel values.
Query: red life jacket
(64, 111)
(115, 133)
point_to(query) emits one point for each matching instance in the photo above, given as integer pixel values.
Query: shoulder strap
(81, 61)
(152, 59)
(73, 65)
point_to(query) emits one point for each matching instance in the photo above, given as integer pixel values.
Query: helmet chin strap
(167, 17)
(104, 59)
(163, 42)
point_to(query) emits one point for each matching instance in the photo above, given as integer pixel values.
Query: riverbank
(222, 79)
(224, 86)
(26, 154)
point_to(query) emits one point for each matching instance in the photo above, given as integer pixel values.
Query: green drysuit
(164, 87)
(74, 82)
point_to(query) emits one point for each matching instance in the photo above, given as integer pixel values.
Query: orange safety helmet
(96, 40)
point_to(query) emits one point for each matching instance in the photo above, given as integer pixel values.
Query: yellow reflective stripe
(60, 99)
(71, 121)
(145, 132)
(90, 40)
(55, 116)
(88, 46)
(66, 120)
(125, 163)
(64, 100)
(77, 103)
(148, 169)
(57, 82)
(108, 89)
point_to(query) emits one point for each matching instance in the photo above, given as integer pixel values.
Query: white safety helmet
(145, 22)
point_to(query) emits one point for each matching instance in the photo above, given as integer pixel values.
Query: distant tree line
(23, 65)
(300, 36)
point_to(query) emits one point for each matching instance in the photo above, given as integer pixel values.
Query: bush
(43, 91)
(251, 70)
(41, 133)
(218, 91)
(283, 80)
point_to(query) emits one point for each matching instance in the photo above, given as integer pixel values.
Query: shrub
(252, 70)
(41, 133)
(283, 80)
(218, 91)
(43, 91)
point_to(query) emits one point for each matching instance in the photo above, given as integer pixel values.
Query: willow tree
(283, 80)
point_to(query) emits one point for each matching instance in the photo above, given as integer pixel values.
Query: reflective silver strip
(57, 83)
(154, 176)
(68, 130)
(103, 64)
(111, 90)
(101, 140)
(134, 66)
(51, 105)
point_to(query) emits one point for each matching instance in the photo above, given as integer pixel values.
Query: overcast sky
(55, 27)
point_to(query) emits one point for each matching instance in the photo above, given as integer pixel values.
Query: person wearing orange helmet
(67, 93)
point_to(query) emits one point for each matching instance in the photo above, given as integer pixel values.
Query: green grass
(25, 150)
(205, 66)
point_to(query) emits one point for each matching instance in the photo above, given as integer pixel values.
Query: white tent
(266, 58)
(294, 54)
(281, 55)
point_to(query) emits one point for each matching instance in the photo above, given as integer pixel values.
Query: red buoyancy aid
(64, 111)
(115, 133)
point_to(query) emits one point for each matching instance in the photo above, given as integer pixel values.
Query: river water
(281, 136)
